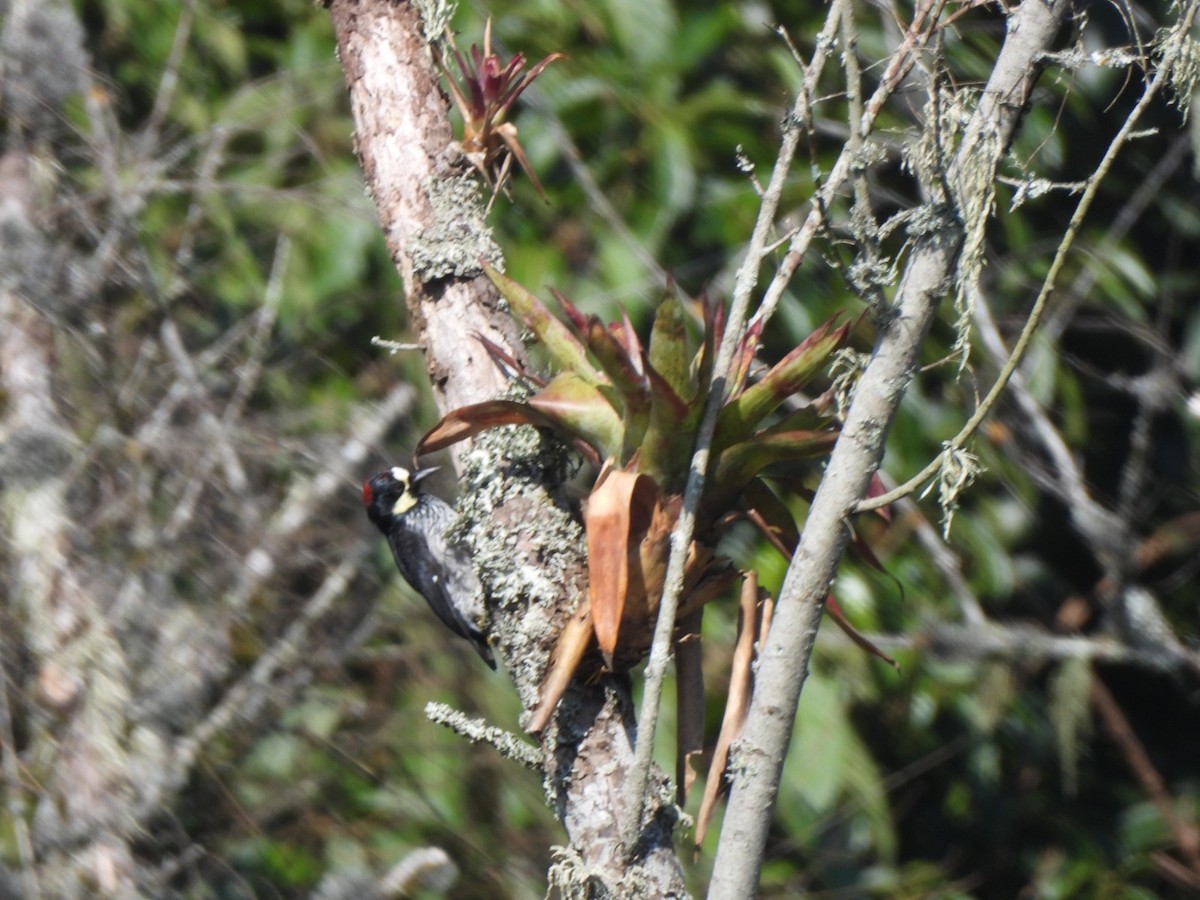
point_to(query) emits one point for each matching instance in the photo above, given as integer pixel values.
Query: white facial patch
(407, 499)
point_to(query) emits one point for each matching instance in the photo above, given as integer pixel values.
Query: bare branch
(1127, 131)
(681, 537)
(758, 757)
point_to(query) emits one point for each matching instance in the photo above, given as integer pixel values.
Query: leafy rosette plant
(634, 411)
(490, 86)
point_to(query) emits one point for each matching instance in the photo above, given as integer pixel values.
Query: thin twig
(248, 374)
(1147, 192)
(168, 82)
(250, 693)
(1024, 643)
(477, 730)
(214, 155)
(862, 223)
(1091, 519)
(598, 200)
(681, 537)
(946, 561)
(1187, 836)
(223, 445)
(901, 63)
(307, 497)
(1035, 314)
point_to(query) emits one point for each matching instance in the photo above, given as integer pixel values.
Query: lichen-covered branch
(433, 220)
(758, 758)
(426, 198)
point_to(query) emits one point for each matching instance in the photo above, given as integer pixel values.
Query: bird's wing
(452, 591)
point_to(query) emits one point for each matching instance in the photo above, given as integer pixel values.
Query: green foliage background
(964, 775)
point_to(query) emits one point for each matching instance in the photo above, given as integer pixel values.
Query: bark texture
(427, 200)
(757, 761)
(529, 547)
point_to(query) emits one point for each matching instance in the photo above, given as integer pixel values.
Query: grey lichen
(527, 545)
(477, 731)
(32, 265)
(458, 237)
(958, 471)
(930, 222)
(845, 371)
(436, 16)
(571, 878)
(1179, 57)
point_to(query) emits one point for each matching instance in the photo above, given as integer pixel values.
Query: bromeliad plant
(490, 86)
(634, 411)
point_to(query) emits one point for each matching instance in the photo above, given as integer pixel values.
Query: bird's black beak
(420, 474)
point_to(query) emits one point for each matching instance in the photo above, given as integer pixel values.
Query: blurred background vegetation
(988, 766)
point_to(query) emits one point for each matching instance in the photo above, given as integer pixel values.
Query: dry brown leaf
(741, 682)
(689, 704)
(572, 644)
(618, 513)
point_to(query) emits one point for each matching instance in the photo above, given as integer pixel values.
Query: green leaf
(674, 175)
(581, 410)
(819, 748)
(668, 344)
(738, 418)
(758, 499)
(631, 384)
(832, 765)
(809, 417)
(736, 465)
(566, 351)
(644, 28)
(667, 445)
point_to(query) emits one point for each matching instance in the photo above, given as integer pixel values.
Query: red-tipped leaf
(582, 410)
(736, 465)
(741, 416)
(877, 489)
(668, 354)
(667, 444)
(576, 319)
(744, 358)
(467, 421)
(507, 363)
(631, 384)
(566, 351)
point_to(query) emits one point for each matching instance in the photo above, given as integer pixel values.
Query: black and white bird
(440, 570)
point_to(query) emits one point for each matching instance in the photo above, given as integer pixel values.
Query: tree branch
(424, 196)
(433, 221)
(758, 758)
(1025, 339)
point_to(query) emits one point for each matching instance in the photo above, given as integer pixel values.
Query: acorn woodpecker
(439, 570)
